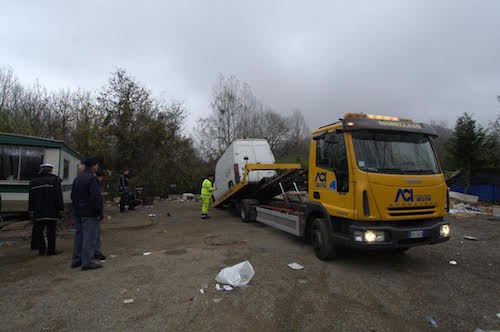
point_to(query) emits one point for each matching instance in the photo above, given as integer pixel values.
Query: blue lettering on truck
(404, 193)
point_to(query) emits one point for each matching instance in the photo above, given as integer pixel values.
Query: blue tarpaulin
(485, 192)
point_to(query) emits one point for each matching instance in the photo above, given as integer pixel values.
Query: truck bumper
(397, 234)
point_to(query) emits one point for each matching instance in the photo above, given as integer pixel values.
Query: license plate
(416, 234)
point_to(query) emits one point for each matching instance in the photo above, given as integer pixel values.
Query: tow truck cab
(379, 182)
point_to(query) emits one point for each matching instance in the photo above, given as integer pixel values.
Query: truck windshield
(394, 153)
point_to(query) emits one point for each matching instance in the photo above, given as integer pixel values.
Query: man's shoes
(204, 216)
(98, 255)
(57, 252)
(92, 266)
(75, 265)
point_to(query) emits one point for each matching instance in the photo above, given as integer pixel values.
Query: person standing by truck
(123, 190)
(206, 195)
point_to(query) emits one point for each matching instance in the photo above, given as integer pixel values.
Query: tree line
(125, 126)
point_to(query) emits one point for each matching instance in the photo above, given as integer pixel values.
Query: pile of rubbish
(462, 205)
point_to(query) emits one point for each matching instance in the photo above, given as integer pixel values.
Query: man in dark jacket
(45, 205)
(123, 190)
(87, 208)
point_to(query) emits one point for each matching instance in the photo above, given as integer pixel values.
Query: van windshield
(394, 153)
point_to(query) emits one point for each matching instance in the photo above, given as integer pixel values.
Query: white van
(231, 166)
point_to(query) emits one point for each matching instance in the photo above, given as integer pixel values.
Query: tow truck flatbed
(265, 189)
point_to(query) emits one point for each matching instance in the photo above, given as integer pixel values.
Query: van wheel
(230, 185)
(321, 241)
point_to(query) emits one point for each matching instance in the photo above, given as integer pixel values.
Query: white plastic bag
(237, 275)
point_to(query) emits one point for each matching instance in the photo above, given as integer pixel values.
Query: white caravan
(231, 166)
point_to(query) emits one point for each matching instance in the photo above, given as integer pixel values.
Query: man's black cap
(91, 161)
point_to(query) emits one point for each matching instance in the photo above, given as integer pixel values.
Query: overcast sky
(419, 59)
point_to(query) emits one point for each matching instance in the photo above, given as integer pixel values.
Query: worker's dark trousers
(50, 226)
(85, 240)
(123, 201)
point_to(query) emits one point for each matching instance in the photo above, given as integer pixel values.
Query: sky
(420, 59)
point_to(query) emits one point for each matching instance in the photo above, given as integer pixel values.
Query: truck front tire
(321, 241)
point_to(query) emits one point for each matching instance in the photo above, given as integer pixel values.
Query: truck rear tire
(247, 210)
(322, 243)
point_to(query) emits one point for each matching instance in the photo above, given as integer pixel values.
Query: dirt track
(356, 292)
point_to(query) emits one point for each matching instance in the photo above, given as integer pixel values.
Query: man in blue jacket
(87, 208)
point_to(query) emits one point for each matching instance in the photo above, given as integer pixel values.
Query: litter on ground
(202, 291)
(152, 215)
(113, 256)
(228, 288)
(237, 275)
(147, 253)
(218, 287)
(295, 266)
(431, 321)
(127, 301)
(217, 300)
(453, 262)
(472, 238)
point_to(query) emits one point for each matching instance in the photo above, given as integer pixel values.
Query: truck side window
(324, 154)
(340, 159)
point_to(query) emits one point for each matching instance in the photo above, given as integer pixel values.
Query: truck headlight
(444, 230)
(373, 236)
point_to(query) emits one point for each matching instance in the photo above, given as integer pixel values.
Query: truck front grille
(411, 211)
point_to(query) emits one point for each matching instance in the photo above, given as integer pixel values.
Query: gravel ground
(358, 291)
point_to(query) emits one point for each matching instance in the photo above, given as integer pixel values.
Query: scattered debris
(147, 253)
(302, 281)
(228, 288)
(218, 287)
(295, 266)
(188, 197)
(123, 291)
(464, 197)
(237, 275)
(103, 261)
(202, 291)
(472, 238)
(462, 209)
(217, 300)
(431, 321)
(113, 256)
(127, 301)
(152, 215)
(453, 262)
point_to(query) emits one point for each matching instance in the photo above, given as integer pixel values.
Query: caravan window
(19, 163)
(66, 169)
(9, 162)
(31, 158)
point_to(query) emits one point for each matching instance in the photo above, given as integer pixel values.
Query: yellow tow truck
(374, 182)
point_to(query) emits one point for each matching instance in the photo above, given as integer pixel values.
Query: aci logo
(405, 194)
(333, 185)
(320, 179)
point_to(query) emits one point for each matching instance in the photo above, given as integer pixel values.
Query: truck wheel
(321, 241)
(247, 211)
